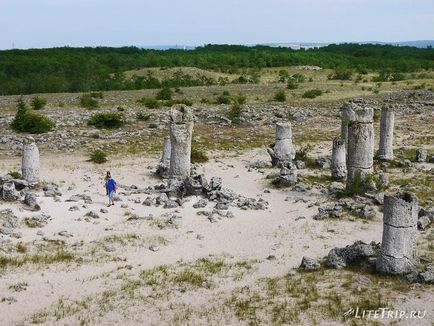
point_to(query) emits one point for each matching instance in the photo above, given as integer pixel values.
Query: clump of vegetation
(38, 103)
(299, 78)
(292, 84)
(107, 120)
(99, 95)
(15, 174)
(98, 156)
(165, 94)
(183, 101)
(361, 184)
(88, 101)
(312, 93)
(26, 120)
(150, 103)
(198, 155)
(143, 116)
(341, 73)
(280, 96)
(234, 113)
(224, 98)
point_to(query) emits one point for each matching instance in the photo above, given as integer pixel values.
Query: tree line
(99, 69)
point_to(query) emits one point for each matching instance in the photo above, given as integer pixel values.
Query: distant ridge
(299, 45)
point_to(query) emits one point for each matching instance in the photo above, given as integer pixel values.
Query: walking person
(110, 186)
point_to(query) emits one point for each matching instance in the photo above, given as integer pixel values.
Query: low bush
(108, 120)
(165, 94)
(292, 84)
(341, 73)
(225, 98)
(38, 103)
(98, 156)
(280, 96)
(198, 155)
(234, 114)
(26, 120)
(183, 101)
(88, 102)
(312, 93)
(15, 174)
(150, 103)
(143, 116)
(300, 78)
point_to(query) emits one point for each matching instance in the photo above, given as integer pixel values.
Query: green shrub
(240, 99)
(153, 126)
(88, 102)
(143, 116)
(183, 101)
(108, 120)
(198, 155)
(150, 103)
(234, 114)
(15, 174)
(280, 96)
(361, 184)
(98, 156)
(165, 94)
(225, 98)
(38, 103)
(312, 93)
(300, 78)
(97, 95)
(26, 120)
(292, 84)
(341, 73)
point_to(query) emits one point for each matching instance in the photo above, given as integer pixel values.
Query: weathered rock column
(30, 161)
(283, 150)
(399, 234)
(347, 115)
(386, 133)
(339, 162)
(181, 129)
(360, 156)
(164, 165)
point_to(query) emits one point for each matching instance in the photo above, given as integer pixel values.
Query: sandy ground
(286, 230)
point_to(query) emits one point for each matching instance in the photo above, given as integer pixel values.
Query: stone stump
(386, 133)
(421, 155)
(338, 164)
(399, 234)
(283, 150)
(288, 175)
(181, 129)
(30, 161)
(164, 165)
(360, 146)
(8, 192)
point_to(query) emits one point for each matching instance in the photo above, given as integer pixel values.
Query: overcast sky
(49, 23)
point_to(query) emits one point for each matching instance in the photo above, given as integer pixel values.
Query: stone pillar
(347, 115)
(399, 234)
(282, 150)
(181, 129)
(339, 165)
(164, 165)
(386, 133)
(360, 155)
(30, 161)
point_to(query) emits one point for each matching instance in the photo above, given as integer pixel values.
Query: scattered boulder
(30, 200)
(8, 192)
(421, 155)
(309, 264)
(355, 253)
(328, 211)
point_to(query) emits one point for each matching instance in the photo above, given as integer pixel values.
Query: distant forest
(99, 69)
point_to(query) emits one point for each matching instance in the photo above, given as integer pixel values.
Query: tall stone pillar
(181, 129)
(347, 115)
(164, 165)
(30, 161)
(386, 133)
(339, 162)
(360, 155)
(283, 150)
(399, 234)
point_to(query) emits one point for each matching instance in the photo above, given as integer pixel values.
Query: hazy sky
(48, 23)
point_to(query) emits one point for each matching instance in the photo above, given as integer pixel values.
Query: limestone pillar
(347, 115)
(386, 133)
(181, 129)
(30, 161)
(399, 234)
(360, 154)
(283, 150)
(164, 165)
(338, 165)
